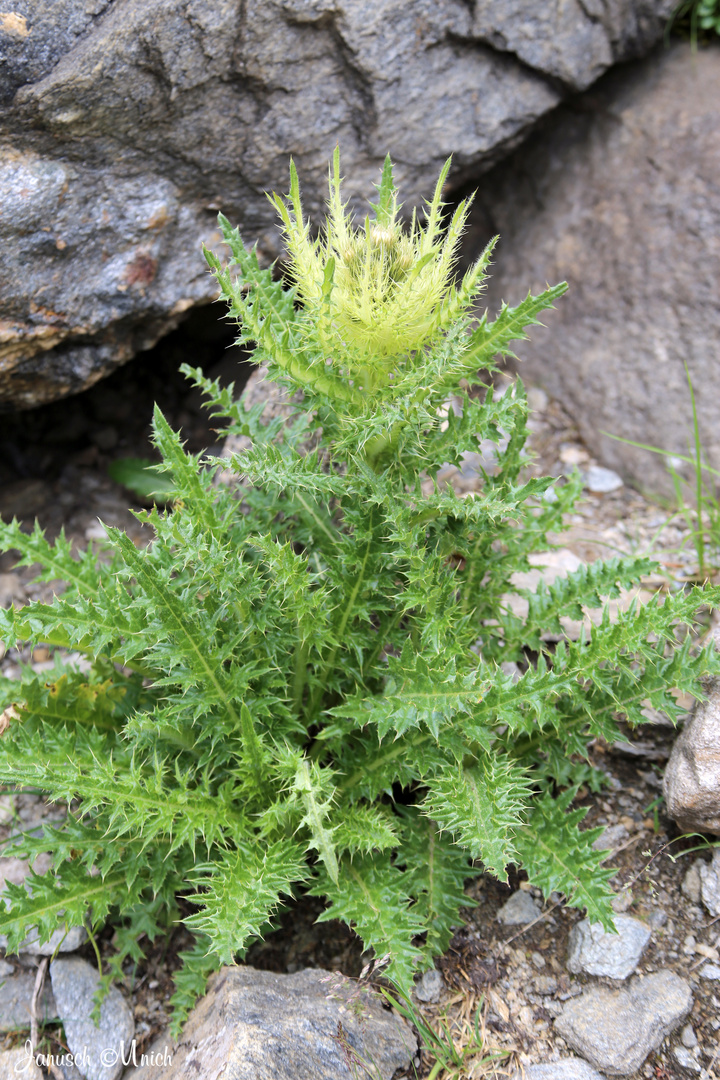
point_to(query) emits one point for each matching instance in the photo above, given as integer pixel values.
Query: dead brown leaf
(7, 717)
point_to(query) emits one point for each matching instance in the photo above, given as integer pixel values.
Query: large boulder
(127, 124)
(257, 1025)
(618, 194)
(691, 784)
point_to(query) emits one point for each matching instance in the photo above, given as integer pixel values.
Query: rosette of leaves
(302, 682)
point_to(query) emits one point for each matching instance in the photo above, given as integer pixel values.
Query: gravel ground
(53, 466)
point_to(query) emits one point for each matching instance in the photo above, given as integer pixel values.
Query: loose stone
(685, 1059)
(518, 910)
(615, 1030)
(601, 481)
(99, 1049)
(594, 951)
(15, 1001)
(612, 837)
(567, 1069)
(688, 1037)
(710, 883)
(691, 784)
(691, 883)
(257, 1025)
(430, 986)
(17, 1063)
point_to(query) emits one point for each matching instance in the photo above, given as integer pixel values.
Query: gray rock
(610, 838)
(688, 1037)
(256, 1025)
(16, 994)
(74, 984)
(685, 1059)
(617, 195)
(429, 986)
(593, 951)
(692, 778)
(691, 883)
(518, 910)
(67, 1071)
(562, 40)
(571, 1068)
(126, 124)
(545, 984)
(17, 1063)
(709, 874)
(710, 971)
(601, 481)
(615, 1030)
(657, 918)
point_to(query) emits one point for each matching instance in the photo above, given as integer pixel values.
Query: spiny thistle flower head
(376, 293)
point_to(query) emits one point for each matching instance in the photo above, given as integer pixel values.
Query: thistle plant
(301, 682)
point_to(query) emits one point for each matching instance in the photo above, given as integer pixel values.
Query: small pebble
(612, 837)
(623, 901)
(657, 918)
(429, 986)
(688, 1037)
(691, 883)
(518, 910)
(688, 946)
(601, 481)
(685, 1058)
(710, 971)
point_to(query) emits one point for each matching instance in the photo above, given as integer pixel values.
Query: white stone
(688, 1037)
(601, 481)
(685, 1059)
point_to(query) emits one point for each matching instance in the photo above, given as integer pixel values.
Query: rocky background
(595, 152)
(618, 192)
(127, 124)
